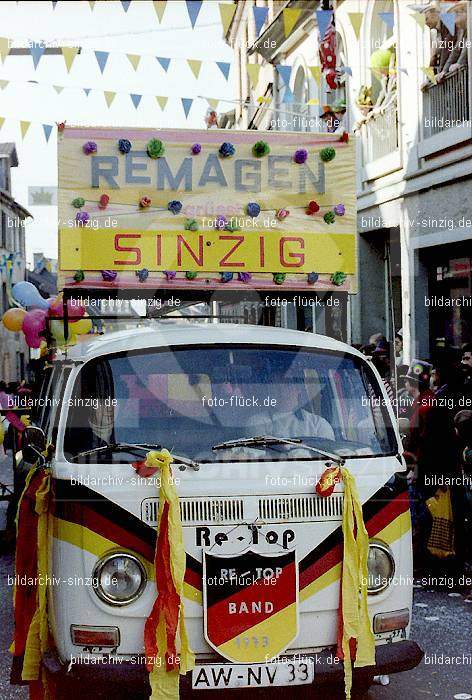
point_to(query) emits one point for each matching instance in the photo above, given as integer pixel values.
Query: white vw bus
(252, 416)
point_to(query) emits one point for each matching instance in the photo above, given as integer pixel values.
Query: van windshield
(190, 398)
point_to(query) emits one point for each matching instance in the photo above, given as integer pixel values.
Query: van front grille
(300, 508)
(198, 511)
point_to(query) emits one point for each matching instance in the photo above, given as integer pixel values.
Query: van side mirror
(33, 443)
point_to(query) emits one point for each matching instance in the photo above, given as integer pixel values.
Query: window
(190, 399)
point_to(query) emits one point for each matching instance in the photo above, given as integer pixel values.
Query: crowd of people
(433, 402)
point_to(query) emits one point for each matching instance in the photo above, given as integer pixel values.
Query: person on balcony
(458, 57)
(443, 41)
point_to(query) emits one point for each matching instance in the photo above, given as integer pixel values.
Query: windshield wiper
(268, 440)
(144, 446)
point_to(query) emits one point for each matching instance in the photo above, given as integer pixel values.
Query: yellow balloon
(81, 327)
(13, 319)
(57, 332)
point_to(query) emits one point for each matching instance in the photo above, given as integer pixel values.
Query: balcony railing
(380, 135)
(446, 105)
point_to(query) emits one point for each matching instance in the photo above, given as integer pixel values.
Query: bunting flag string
(227, 11)
(260, 16)
(193, 9)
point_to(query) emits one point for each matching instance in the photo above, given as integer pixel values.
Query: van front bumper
(131, 673)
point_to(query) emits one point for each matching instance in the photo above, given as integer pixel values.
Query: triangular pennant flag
(323, 17)
(3, 84)
(260, 16)
(102, 58)
(92, 4)
(290, 17)
(159, 6)
(36, 52)
(194, 66)
(288, 95)
(135, 99)
(164, 62)
(186, 104)
(24, 126)
(356, 21)
(253, 70)
(126, 4)
(162, 101)
(87, 91)
(224, 68)
(404, 70)
(420, 19)
(134, 59)
(109, 97)
(345, 69)
(213, 102)
(58, 88)
(388, 18)
(227, 11)
(69, 53)
(284, 72)
(430, 74)
(316, 73)
(4, 47)
(193, 9)
(448, 19)
(47, 128)
(2, 121)
(313, 101)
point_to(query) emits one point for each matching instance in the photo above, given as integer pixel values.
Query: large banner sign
(147, 206)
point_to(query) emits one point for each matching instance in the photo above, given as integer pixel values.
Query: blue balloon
(26, 294)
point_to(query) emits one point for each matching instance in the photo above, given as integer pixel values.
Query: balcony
(379, 139)
(446, 113)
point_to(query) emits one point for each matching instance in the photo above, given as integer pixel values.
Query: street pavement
(442, 626)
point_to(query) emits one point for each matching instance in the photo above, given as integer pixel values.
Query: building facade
(414, 141)
(13, 349)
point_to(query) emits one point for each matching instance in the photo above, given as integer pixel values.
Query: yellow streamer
(355, 617)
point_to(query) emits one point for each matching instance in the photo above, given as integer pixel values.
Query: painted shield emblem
(250, 604)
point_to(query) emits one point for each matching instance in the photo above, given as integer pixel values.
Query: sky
(107, 28)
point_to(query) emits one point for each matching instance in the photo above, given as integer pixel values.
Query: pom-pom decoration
(329, 217)
(260, 149)
(312, 208)
(89, 147)
(143, 274)
(226, 276)
(82, 217)
(191, 225)
(191, 275)
(196, 149)
(220, 222)
(279, 277)
(231, 225)
(144, 202)
(174, 206)
(227, 150)
(327, 154)
(170, 274)
(281, 214)
(300, 156)
(109, 275)
(344, 138)
(78, 202)
(338, 278)
(339, 209)
(253, 209)
(103, 201)
(244, 276)
(79, 276)
(124, 146)
(155, 148)
(312, 277)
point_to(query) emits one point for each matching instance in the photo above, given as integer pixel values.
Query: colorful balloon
(74, 311)
(82, 327)
(34, 325)
(26, 294)
(13, 319)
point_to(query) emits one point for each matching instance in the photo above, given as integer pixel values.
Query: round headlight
(119, 578)
(380, 567)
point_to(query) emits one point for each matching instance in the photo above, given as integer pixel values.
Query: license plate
(217, 677)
